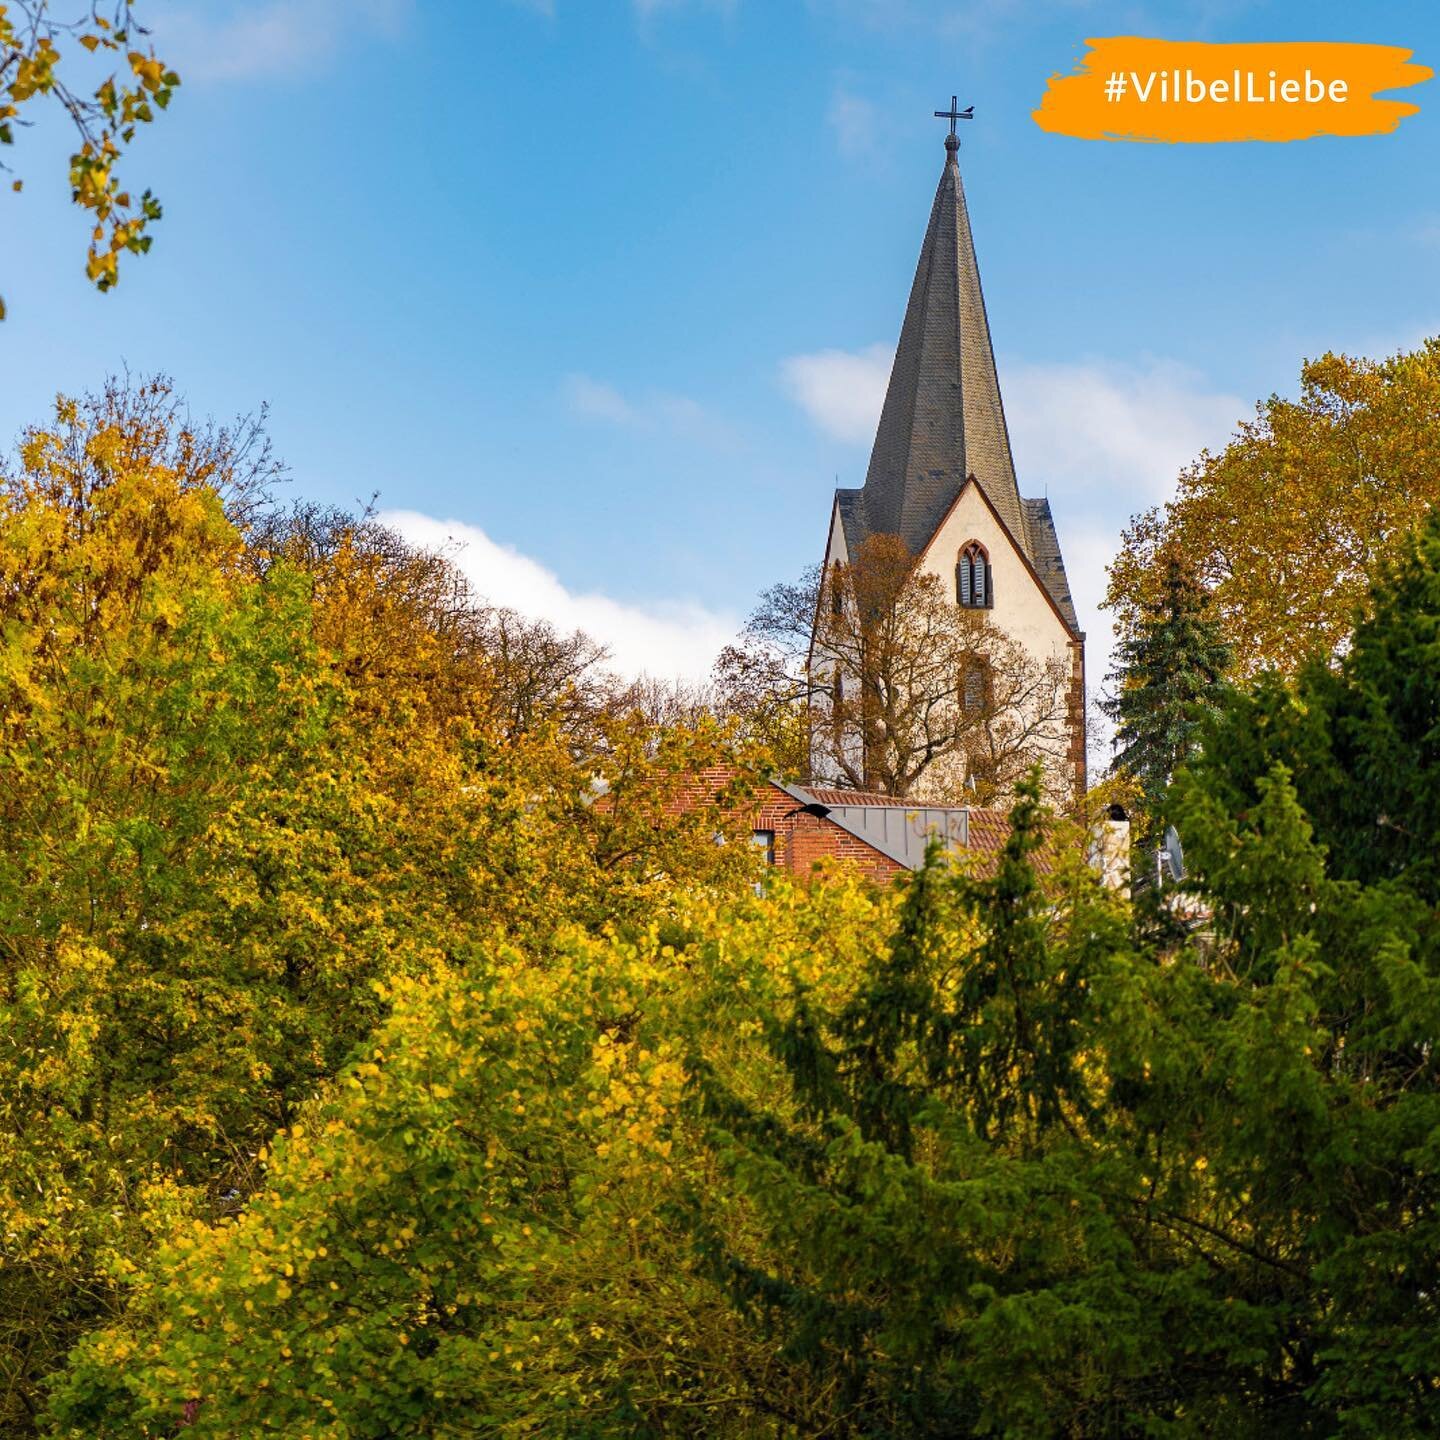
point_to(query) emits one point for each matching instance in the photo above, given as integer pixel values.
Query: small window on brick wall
(764, 842)
(973, 587)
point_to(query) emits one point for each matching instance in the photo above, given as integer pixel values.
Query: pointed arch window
(973, 587)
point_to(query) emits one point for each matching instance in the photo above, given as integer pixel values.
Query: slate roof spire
(943, 419)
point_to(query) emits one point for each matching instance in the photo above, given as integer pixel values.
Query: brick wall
(801, 841)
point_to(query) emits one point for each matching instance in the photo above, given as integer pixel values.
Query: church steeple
(943, 419)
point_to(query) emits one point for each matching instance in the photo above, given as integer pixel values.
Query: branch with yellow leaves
(33, 47)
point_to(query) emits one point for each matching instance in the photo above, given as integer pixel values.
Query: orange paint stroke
(1130, 88)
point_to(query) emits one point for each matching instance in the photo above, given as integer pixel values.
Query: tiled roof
(1044, 547)
(943, 418)
(852, 519)
(854, 797)
(989, 830)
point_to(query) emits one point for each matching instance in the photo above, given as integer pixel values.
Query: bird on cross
(954, 113)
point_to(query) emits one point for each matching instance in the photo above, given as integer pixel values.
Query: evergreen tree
(1169, 675)
(1360, 736)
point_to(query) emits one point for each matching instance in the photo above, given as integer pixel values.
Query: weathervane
(953, 114)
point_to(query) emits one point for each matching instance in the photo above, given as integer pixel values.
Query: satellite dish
(1173, 855)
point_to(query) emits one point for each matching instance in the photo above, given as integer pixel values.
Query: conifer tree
(1169, 675)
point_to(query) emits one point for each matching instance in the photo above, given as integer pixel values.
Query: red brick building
(800, 825)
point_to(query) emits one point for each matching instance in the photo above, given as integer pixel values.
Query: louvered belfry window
(972, 578)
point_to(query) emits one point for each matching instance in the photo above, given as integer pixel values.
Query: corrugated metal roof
(894, 827)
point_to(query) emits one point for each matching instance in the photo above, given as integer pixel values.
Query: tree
(1358, 736)
(907, 693)
(531, 675)
(1168, 676)
(1287, 525)
(33, 47)
(247, 784)
(479, 1226)
(902, 1181)
(975, 1158)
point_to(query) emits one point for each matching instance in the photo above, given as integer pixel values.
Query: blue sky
(606, 287)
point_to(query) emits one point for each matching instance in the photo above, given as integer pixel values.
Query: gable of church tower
(941, 473)
(1016, 592)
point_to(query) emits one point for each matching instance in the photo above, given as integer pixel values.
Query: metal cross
(954, 113)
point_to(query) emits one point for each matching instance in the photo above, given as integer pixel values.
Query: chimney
(1110, 849)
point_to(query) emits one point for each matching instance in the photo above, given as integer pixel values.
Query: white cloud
(1127, 428)
(1105, 441)
(858, 125)
(648, 410)
(1075, 426)
(596, 400)
(243, 40)
(669, 639)
(840, 390)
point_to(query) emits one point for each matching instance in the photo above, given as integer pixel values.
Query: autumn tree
(1357, 737)
(1168, 677)
(1287, 526)
(246, 784)
(38, 53)
(533, 675)
(981, 1156)
(480, 1220)
(905, 692)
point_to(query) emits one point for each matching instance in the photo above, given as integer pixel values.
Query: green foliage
(1359, 736)
(476, 1230)
(1046, 1181)
(1168, 676)
(377, 1061)
(238, 798)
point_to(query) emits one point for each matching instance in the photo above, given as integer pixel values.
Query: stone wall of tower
(1023, 611)
(1079, 753)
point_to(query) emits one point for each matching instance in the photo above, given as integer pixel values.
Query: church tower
(942, 477)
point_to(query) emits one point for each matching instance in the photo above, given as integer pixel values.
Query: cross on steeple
(954, 113)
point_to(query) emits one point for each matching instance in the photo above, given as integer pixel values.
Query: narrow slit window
(975, 687)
